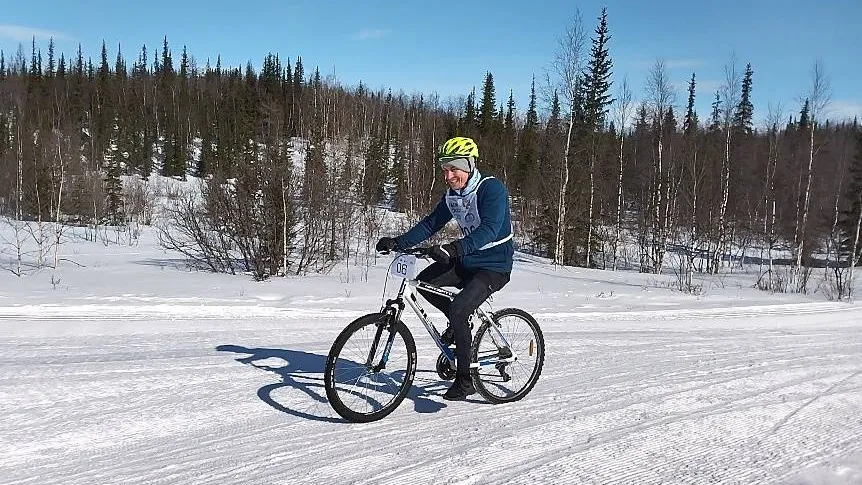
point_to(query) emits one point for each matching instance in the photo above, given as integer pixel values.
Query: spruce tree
(597, 83)
(79, 64)
(669, 122)
(804, 117)
(50, 72)
(742, 117)
(298, 75)
(549, 155)
(61, 68)
(173, 153)
(689, 124)
(167, 65)
(553, 128)
(508, 135)
(487, 109)
(287, 89)
(104, 69)
(183, 110)
(509, 121)
(140, 67)
(296, 111)
(467, 125)
(35, 62)
(642, 120)
(113, 189)
(120, 65)
(715, 115)
(528, 148)
(104, 106)
(376, 160)
(124, 117)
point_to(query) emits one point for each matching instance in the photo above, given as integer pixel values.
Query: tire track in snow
(642, 440)
(712, 313)
(422, 470)
(787, 418)
(167, 312)
(241, 312)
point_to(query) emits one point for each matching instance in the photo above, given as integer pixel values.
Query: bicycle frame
(407, 293)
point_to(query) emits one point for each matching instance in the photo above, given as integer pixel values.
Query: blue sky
(448, 46)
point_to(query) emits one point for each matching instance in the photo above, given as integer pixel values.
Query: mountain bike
(371, 364)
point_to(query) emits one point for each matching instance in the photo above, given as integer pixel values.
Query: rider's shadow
(303, 371)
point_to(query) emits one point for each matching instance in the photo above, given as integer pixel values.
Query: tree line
(294, 166)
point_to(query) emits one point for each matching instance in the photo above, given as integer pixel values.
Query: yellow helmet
(458, 147)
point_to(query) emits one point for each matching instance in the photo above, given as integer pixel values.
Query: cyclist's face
(455, 177)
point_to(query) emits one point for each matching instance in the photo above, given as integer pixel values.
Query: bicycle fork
(388, 322)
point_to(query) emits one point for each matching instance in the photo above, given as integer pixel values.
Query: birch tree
(818, 98)
(659, 98)
(622, 112)
(834, 274)
(689, 182)
(59, 177)
(728, 97)
(774, 117)
(854, 260)
(568, 64)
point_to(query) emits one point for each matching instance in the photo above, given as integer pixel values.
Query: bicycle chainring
(445, 369)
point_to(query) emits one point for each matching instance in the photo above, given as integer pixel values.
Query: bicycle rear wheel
(507, 375)
(362, 387)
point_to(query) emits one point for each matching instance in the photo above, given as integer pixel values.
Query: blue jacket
(485, 245)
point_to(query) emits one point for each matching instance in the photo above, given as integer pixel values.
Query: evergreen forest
(293, 169)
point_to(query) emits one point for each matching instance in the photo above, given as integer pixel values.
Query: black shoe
(460, 389)
(448, 337)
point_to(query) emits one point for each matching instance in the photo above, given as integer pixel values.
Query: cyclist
(479, 263)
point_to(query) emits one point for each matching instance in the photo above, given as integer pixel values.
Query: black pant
(476, 286)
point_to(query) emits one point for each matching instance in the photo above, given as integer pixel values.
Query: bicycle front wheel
(508, 374)
(363, 386)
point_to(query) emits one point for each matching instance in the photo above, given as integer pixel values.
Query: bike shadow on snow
(303, 371)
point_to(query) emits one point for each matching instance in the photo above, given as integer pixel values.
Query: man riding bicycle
(479, 263)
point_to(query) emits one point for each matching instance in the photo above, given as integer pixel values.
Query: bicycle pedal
(501, 368)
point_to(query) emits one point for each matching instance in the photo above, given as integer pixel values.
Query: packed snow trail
(179, 394)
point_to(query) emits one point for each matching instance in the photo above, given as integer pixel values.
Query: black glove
(385, 244)
(442, 254)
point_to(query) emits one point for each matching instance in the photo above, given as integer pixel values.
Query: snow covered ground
(133, 370)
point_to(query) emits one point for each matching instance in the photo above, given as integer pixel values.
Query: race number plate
(404, 266)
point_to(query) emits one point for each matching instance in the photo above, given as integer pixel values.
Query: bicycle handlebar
(420, 251)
